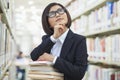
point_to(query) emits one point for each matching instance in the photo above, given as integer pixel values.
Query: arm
(45, 46)
(76, 70)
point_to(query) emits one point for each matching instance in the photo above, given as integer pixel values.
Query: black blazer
(73, 57)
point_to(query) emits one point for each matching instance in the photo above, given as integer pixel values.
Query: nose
(57, 14)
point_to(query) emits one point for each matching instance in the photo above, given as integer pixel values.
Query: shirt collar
(63, 36)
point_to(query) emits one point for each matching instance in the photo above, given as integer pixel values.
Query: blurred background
(21, 32)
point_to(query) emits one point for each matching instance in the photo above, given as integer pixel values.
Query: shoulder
(79, 37)
(76, 37)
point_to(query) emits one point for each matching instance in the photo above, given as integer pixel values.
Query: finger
(45, 53)
(41, 59)
(60, 30)
(38, 59)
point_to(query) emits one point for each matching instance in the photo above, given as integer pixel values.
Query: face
(57, 15)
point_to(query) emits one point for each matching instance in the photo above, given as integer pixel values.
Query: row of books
(104, 48)
(7, 47)
(80, 5)
(99, 16)
(43, 70)
(100, 19)
(100, 73)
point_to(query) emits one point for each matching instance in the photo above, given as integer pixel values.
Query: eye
(51, 14)
(60, 10)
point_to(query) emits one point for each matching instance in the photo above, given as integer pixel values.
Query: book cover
(40, 63)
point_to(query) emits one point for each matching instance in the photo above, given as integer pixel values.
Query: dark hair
(45, 23)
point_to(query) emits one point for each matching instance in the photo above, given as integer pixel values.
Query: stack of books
(43, 70)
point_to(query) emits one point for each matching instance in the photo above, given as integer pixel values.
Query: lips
(59, 19)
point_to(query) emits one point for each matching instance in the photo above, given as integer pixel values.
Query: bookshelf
(99, 21)
(110, 31)
(5, 70)
(6, 16)
(89, 8)
(8, 47)
(69, 3)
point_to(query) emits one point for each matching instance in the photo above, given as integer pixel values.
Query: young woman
(60, 45)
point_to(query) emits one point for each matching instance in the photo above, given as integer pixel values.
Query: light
(21, 7)
(33, 27)
(30, 2)
(33, 7)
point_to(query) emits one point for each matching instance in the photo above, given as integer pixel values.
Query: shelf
(104, 63)
(4, 71)
(70, 3)
(110, 31)
(88, 9)
(5, 17)
(0, 9)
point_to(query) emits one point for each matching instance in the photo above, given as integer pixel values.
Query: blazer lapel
(67, 44)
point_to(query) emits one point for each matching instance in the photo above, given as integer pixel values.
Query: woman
(61, 46)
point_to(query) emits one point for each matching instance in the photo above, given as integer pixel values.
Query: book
(42, 66)
(43, 70)
(46, 73)
(44, 77)
(38, 63)
(101, 73)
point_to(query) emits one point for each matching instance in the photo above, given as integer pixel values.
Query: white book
(118, 7)
(42, 68)
(44, 77)
(46, 73)
(40, 63)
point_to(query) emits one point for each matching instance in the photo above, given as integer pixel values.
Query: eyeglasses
(52, 14)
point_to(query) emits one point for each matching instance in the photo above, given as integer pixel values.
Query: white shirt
(56, 49)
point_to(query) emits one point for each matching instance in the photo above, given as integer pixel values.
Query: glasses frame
(55, 12)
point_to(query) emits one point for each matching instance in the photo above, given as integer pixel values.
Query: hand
(46, 57)
(59, 28)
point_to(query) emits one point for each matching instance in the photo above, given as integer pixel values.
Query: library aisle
(21, 31)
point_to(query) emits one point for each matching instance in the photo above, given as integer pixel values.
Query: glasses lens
(52, 14)
(60, 11)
